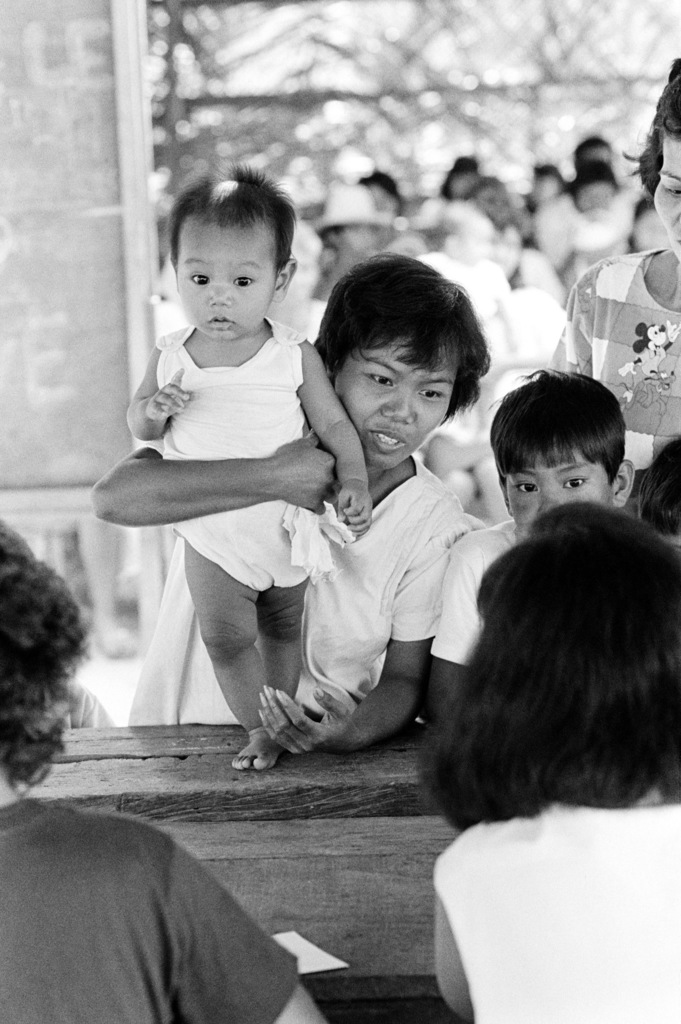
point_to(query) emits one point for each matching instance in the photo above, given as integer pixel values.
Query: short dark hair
(659, 498)
(548, 171)
(394, 298)
(573, 692)
(553, 415)
(586, 145)
(42, 638)
(384, 181)
(244, 198)
(463, 165)
(667, 121)
(593, 172)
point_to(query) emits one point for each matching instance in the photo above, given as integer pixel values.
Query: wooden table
(337, 848)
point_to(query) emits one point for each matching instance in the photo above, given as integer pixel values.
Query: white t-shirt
(572, 917)
(390, 585)
(459, 625)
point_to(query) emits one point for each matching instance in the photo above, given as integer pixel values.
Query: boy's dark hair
(659, 498)
(573, 692)
(244, 198)
(667, 121)
(42, 638)
(552, 416)
(394, 298)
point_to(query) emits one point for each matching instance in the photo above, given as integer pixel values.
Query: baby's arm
(151, 406)
(331, 424)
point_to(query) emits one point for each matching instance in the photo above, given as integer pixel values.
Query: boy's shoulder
(487, 544)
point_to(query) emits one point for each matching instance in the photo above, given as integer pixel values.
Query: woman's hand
(287, 724)
(303, 474)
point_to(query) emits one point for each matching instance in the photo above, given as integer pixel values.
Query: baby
(238, 385)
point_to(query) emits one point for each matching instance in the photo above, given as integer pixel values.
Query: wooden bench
(337, 848)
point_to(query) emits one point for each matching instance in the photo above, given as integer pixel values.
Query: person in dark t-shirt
(105, 918)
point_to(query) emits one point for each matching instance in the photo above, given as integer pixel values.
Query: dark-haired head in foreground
(573, 693)
(42, 639)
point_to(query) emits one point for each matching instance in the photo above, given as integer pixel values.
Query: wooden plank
(375, 912)
(207, 788)
(149, 742)
(185, 773)
(244, 840)
(361, 889)
(180, 740)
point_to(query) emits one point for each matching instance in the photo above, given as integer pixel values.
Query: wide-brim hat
(349, 205)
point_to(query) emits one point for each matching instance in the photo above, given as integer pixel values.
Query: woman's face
(668, 193)
(394, 406)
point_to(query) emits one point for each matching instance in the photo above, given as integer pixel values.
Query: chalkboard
(74, 280)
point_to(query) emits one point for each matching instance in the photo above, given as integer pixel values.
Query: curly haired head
(42, 638)
(666, 122)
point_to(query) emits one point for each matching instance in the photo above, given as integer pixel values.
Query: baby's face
(541, 487)
(226, 278)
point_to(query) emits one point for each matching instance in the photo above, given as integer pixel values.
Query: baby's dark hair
(573, 692)
(659, 498)
(42, 638)
(244, 198)
(667, 121)
(553, 416)
(392, 298)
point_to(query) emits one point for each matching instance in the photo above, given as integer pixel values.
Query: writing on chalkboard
(63, 320)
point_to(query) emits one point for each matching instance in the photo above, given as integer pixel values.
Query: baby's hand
(168, 400)
(354, 506)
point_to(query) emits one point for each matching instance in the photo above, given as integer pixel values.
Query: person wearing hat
(351, 229)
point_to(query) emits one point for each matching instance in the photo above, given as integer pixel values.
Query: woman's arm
(449, 970)
(301, 1009)
(146, 490)
(394, 702)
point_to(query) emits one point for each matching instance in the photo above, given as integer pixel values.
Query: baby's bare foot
(260, 752)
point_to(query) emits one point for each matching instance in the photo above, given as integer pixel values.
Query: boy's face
(226, 278)
(540, 487)
(393, 406)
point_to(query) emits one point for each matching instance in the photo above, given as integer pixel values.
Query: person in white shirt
(556, 439)
(560, 761)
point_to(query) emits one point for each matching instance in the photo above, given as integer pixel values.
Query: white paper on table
(310, 957)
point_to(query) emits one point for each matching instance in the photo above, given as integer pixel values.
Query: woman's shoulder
(613, 276)
(559, 827)
(484, 544)
(426, 492)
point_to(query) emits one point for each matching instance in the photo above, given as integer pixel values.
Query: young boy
(558, 438)
(236, 384)
(103, 917)
(659, 499)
